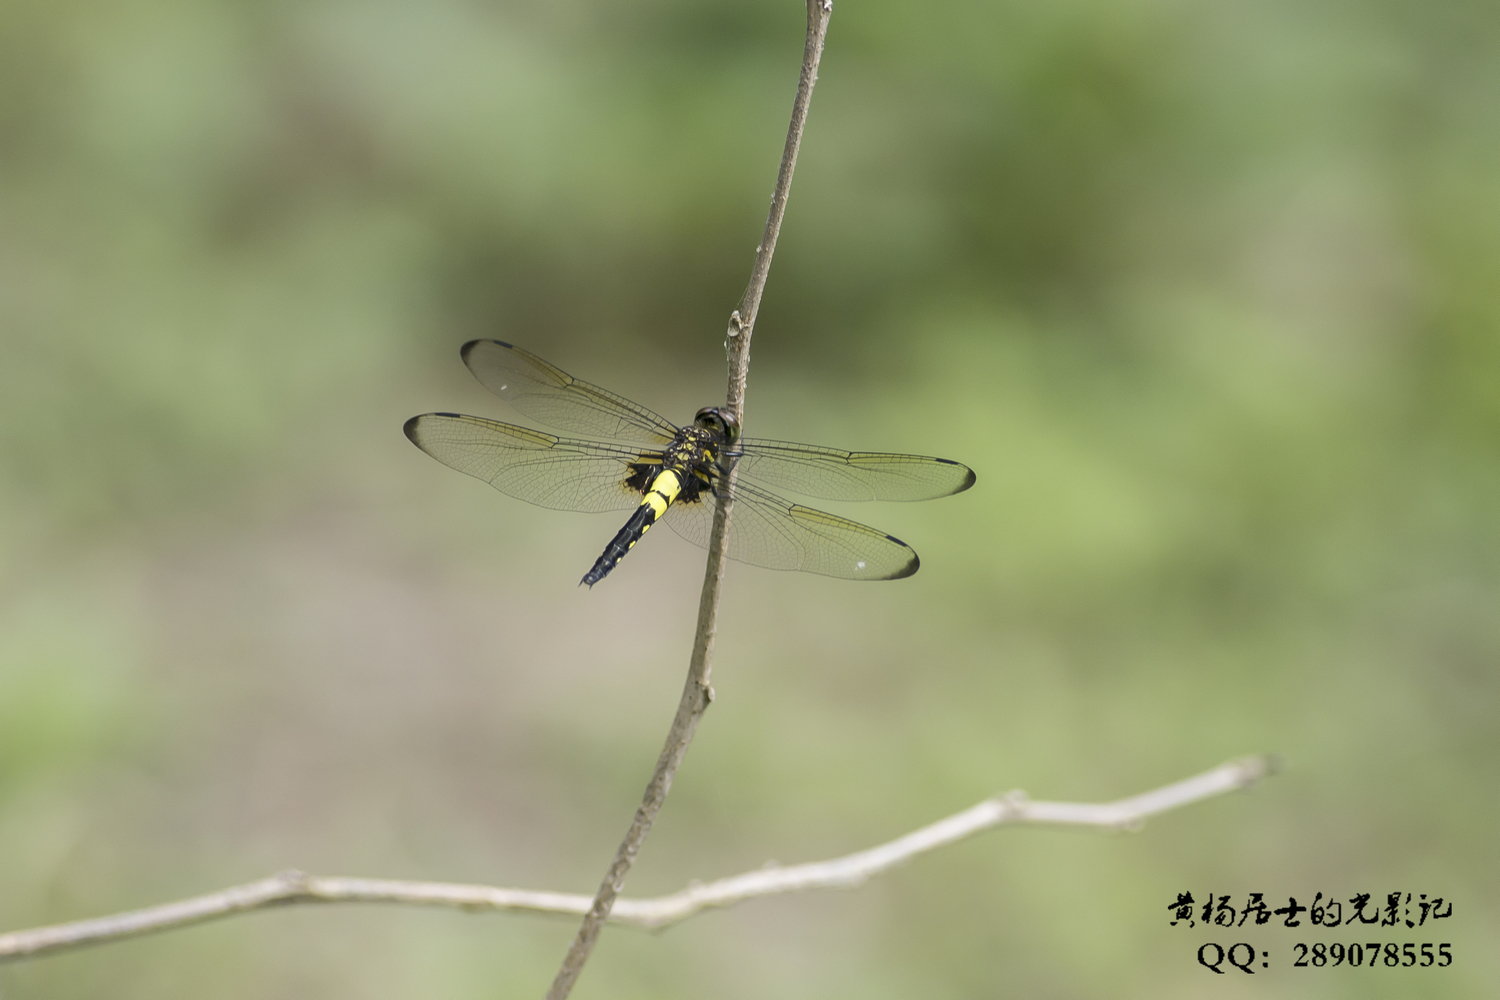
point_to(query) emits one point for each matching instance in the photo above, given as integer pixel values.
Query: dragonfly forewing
(832, 474)
(551, 396)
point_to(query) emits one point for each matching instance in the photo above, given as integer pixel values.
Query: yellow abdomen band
(664, 489)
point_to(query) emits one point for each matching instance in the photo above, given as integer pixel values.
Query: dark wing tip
(908, 569)
(471, 346)
(412, 426)
(968, 479)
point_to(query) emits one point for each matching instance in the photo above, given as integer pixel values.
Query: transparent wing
(831, 474)
(550, 395)
(549, 471)
(768, 531)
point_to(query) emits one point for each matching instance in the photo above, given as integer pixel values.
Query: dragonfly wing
(831, 474)
(550, 395)
(766, 530)
(549, 471)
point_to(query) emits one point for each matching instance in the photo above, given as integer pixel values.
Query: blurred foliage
(1207, 293)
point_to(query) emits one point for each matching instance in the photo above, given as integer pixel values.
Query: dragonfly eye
(720, 421)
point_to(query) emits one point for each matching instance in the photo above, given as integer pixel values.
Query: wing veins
(550, 395)
(834, 474)
(544, 469)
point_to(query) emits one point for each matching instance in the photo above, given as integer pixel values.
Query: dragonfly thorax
(694, 454)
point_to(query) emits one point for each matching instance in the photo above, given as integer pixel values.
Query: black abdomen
(640, 521)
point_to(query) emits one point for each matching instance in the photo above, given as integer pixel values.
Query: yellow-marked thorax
(686, 467)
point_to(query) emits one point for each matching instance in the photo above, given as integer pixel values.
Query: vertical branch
(696, 692)
(742, 321)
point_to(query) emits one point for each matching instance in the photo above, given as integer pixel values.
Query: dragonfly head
(720, 421)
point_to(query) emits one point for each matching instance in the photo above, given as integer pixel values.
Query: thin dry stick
(651, 914)
(697, 692)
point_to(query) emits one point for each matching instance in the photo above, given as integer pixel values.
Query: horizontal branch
(846, 872)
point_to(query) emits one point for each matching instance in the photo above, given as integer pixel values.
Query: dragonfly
(635, 460)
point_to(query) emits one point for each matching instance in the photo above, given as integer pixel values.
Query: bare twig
(662, 911)
(697, 693)
(742, 321)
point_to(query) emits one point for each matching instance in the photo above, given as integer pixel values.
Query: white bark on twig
(846, 872)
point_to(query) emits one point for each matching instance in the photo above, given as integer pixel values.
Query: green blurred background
(1206, 292)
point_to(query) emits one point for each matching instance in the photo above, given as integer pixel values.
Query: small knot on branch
(293, 884)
